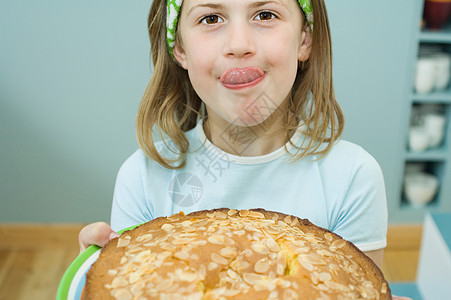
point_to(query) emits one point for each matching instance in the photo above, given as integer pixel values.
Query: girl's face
(242, 55)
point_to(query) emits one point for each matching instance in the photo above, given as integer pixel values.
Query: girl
(243, 102)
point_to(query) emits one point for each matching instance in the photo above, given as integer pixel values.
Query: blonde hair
(171, 106)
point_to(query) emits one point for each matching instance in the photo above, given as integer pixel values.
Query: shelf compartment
(435, 155)
(438, 152)
(442, 36)
(443, 97)
(430, 167)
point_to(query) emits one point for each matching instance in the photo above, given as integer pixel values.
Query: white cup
(442, 70)
(434, 122)
(435, 138)
(420, 188)
(425, 75)
(434, 125)
(418, 139)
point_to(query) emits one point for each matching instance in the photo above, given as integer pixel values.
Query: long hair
(171, 107)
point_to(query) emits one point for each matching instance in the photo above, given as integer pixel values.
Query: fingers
(400, 298)
(95, 234)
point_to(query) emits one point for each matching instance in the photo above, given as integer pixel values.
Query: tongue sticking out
(241, 76)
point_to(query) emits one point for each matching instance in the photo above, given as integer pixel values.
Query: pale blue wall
(72, 75)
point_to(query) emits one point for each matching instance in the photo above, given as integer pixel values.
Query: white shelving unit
(437, 160)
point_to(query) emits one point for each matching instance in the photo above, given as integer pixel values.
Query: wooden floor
(33, 258)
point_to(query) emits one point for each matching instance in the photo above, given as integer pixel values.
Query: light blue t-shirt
(343, 191)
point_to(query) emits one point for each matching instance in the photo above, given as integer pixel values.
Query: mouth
(238, 78)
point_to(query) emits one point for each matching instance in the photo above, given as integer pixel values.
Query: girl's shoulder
(345, 155)
(166, 148)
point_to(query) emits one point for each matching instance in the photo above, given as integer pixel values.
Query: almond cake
(233, 254)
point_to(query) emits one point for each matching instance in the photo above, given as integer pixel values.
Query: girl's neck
(257, 140)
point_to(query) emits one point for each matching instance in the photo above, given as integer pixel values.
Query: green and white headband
(173, 10)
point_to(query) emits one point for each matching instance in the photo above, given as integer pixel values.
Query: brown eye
(265, 16)
(213, 19)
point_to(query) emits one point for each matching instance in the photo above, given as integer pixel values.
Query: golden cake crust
(230, 254)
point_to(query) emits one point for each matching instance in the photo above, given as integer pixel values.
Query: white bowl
(420, 188)
(425, 75)
(418, 139)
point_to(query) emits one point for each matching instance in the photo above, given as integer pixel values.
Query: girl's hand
(95, 234)
(400, 298)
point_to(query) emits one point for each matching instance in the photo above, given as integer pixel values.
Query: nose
(239, 41)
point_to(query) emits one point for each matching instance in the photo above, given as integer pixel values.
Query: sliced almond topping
(216, 239)
(302, 249)
(167, 227)
(282, 258)
(183, 241)
(202, 271)
(228, 252)
(174, 217)
(134, 277)
(280, 269)
(253, 279)
(232, 212)
(261, 266)
(324, 252)
(121, 294)
(328, 236)
(229, 242)
(212, 266)
(231, 292)
(272, 244)
(260, 248)
(137, 288)
(199, 243)
(312, 259)
(168, 246)
(288, 219)
(295, 222)
(239, 232)
(244, 213)
(119, 282)
(283, 283)
(384, 288)
(256, 215)
(187, 223)
(338, 243)
(242, 265)
(112, 272)
(215, 257)
(134, 249)
(308, 266)
(220, 215)
(165, 284)
(122, 242)
(185, 276)
(290, 294)
(183, 255)
(144, 238)
(282, 224)
(325, 276)
(164, 254)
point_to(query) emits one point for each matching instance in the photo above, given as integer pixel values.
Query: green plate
(73, 281)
